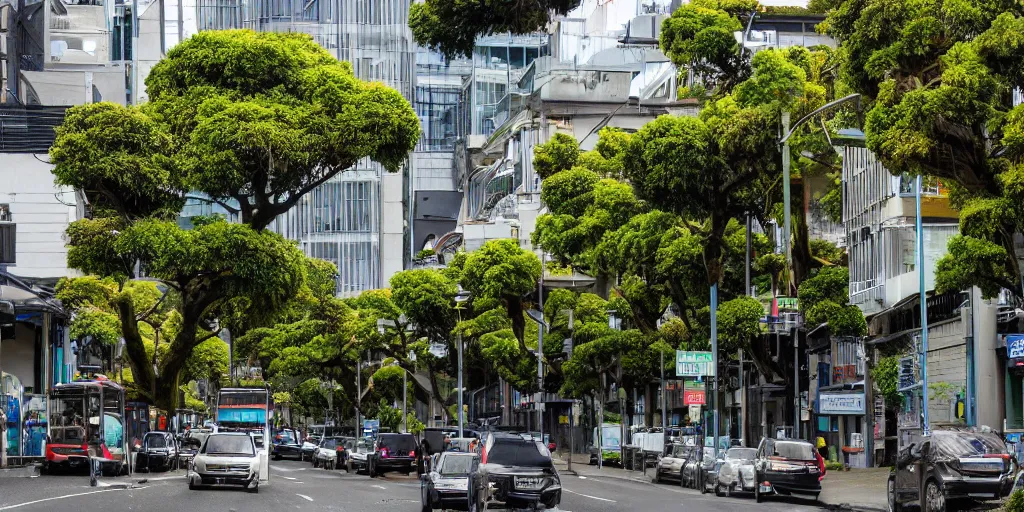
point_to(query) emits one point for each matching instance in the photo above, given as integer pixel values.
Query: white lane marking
(588, 496)
(19, 505)
(303, 496)
(289, 477)
(582, 477)
(381, 487)
(163, 478)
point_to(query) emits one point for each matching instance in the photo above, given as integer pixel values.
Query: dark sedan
(951, 466)
(287, 444)
(159, 452)
(520, 473)
(455, 483)
(787, 467)
(393, 453)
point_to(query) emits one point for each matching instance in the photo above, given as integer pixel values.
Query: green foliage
(501, 268)
(700, 36)
(936, 76)
(390, 417)
(556, 155)
(885, 375)
(829, 284)
(1015, 503)
(828, 251)
(451, 27)
(570, 192)
(261, 118)
(739, 321)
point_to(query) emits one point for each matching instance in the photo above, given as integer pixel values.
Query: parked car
(464, 444)
(708, 477)
(691, 472)
(737, 474)
(226, 459)
(326, 455)
(670, 467)
(520, 473)
(309, 445)
(188, 447)
(434, 439)
(286, 444)
(158, 452)
(393, 452)
(358, 456)
(951, 466)
(788, 467)
(456, 482)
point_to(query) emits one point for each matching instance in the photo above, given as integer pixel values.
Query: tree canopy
(938, 78)
(251, 121)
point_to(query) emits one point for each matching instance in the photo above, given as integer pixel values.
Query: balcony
(28, 129)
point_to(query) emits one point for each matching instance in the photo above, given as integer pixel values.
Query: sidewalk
(857, 490)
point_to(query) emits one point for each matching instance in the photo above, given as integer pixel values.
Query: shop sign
(693, 397)
(694, 364)
(1015, 346)
(841, 403)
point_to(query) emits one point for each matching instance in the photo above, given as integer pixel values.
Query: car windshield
(793, 450)
(740, 454)
(234, 445)
(682, 452)
(157, 441)
(199, 436)
(398, 442)
(455, 465)
(967, 444)
(285, 436)
(363, 446)
(512, 452)
(329, 443)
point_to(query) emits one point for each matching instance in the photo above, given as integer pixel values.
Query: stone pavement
(859, 490)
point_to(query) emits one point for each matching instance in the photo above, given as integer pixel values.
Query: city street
(297, 486)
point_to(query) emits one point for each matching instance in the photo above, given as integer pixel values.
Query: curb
(20, 472)
(846, 507)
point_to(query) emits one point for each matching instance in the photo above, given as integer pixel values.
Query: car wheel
(255, 489)
(718, 490)
(933, 500)
(894, 504)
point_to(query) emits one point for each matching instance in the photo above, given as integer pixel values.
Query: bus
(248, 410)
(87, 420)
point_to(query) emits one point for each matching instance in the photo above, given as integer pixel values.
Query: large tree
(251, 120)
(938, 77)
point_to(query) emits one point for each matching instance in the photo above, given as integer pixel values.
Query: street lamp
(568, 353)
(538, 317)
(461, 298)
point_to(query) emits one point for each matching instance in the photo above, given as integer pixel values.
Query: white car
(226, 459)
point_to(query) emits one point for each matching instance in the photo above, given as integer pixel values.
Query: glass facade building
(356, 220)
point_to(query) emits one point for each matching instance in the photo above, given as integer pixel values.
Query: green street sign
(694, 364)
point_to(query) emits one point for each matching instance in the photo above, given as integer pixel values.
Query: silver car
(737, 473)
(226, 459)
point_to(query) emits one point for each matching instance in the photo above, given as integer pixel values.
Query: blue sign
(1015, 346)
(242, 415)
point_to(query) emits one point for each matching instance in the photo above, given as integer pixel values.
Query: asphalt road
(297, 486)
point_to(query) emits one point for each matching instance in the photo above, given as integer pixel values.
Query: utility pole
(664, 420)
(750, 292)
(786, 221)
(459, 395)
(926, 426)
(359, 395)
(714, 364)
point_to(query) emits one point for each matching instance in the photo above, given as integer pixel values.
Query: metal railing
(29, 129)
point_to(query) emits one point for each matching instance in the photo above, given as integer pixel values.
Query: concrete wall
(41, 210)
(947, 362)
(433, 170)
(989, 372)
(392, 226)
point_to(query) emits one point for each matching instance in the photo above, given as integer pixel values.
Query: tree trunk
(514, 308)
(142, 370)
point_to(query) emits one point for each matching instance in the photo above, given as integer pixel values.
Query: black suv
(520, 473)
(393, 452)
(951, 465)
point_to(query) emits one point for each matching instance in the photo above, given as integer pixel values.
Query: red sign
(693, 397)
